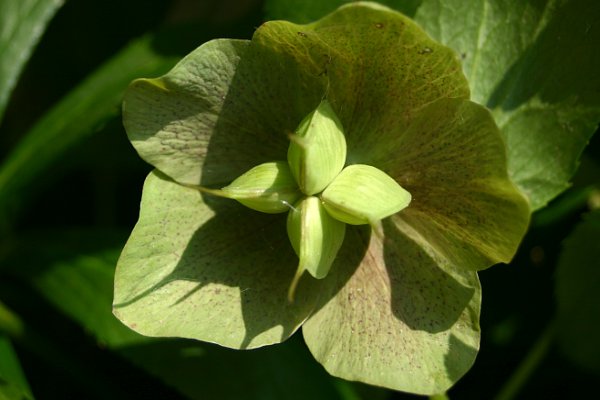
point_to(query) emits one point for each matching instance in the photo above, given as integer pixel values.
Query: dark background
(96, 187)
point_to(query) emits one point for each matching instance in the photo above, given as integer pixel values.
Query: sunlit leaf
(535, 64)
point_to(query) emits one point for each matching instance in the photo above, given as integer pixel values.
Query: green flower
(395, 306)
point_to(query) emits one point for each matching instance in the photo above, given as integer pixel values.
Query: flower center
(319, 194)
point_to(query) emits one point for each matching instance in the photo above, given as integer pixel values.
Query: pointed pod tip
(300, 141)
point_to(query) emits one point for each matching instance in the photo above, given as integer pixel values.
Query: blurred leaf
(22, 23)
(303, 11)
(535, 64)
(78, 114)
(577, 283)
(81, 287)
(13, 385)
(205, 371)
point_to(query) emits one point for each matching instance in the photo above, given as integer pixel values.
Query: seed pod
(315, 237)
(268, 187)
(362, 194)
(317, 151)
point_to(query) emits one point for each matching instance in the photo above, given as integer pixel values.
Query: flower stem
(528, 366)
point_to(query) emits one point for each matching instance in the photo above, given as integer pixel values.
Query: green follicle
(268, 187)
(362, 194)
(316, 238)
(320, 194)
(317, 150)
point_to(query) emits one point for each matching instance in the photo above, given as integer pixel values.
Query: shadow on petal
(240, 266)
(389, 322)
(459, 354)
(268, 95)
(225, 108)
(350, 256)
(219, 277)
(424, 296)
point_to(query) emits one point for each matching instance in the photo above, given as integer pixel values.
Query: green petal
(315, 237)
(317, 151)
(221, 278)
(380, 68)
(452, 160)
(400, 320)
(269, 188)
(231, 104)
(362, 194)
(225, 108)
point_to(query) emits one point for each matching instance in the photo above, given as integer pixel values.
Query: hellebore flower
(396, 301)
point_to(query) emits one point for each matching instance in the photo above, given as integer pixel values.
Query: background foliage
(70, 185)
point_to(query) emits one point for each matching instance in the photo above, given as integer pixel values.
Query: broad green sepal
(317, 151)
(316, 238)
(399, 309)
(362, 194)
(187, 266)
(268, 187)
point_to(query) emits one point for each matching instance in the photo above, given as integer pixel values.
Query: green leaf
(85, 295)
(80, 286)
(404, 319)
(577, 283)
(74, 271)
(13, 385)
(535, 65)
(221, 277)
(305, 11)
(77, 115)
(204, 371)
(22, 23)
